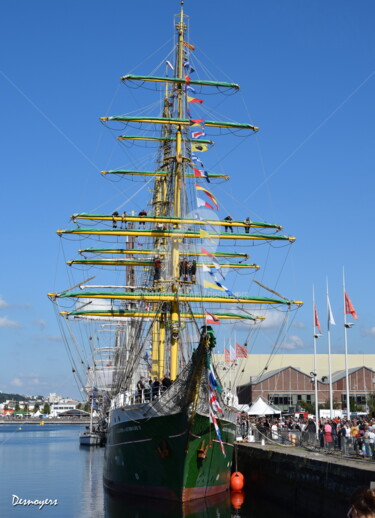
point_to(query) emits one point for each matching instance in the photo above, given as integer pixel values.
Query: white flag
(331, 320)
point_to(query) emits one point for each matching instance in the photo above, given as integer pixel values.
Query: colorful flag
(206, 252)
(170, 65)
(193, 100)
(187, 79)
(217, 429)
(241, 352)
(207, 284)
(203, 234)
(199, 147)
(197, 122)
(200, 173)
(212, 319)
(188, 45)
(202, 203)
(196, 159)
(349, 308)
(209, 194)
(189, 69)
(316, 320)
(215, 403)
(198, 134)
(214, 384)
(331, 320)
(190, 88)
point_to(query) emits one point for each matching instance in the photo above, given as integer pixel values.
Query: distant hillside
(16, 397)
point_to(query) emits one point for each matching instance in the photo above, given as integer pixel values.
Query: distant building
(58, 408)
(289, 386)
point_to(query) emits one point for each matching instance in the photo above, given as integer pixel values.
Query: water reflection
(218, 506)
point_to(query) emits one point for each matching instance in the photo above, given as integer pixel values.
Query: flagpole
(329, 355)
(346, 351)
(230, 369)
(315, 371)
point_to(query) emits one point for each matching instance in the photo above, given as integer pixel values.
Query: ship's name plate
(130, 428)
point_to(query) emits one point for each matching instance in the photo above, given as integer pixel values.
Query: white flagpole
(346, 351)
(329, 355)
(230, 368)
(315, 372)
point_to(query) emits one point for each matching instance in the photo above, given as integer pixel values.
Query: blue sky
(307, 76)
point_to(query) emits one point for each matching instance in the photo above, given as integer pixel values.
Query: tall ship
(166, 274)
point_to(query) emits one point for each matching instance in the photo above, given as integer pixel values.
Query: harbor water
(47, 466)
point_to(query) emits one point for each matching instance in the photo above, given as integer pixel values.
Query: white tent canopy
(261, 407)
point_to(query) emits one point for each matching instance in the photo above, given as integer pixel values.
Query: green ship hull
(168, 457)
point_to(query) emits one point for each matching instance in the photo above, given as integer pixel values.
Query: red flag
(193, 99)
(211, 319)
(188, 45)
(187, 79)
(349, 308)
(316, 320)
(206, 252)
(241, 352)
(197, 122)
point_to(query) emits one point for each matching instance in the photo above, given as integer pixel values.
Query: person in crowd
(247, 223)
(362, 503)
(341, 434)
(115, 215)
(311, 431)
(274, 431)
(192, 270)
(140, 389)
(147, 390)
(157, 268)
(142, 214)
(184, 269)
(229, 219)
(166, 382)
(155, 387)
(123, 221)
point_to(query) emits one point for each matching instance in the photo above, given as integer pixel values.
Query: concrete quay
(314, 483)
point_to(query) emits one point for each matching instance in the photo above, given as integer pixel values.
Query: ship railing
(147, 394)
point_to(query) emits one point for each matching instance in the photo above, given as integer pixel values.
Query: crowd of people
(355, 435)
(151, 388)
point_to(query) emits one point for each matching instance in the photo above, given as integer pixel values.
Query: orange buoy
(237, 499)
(237, 481)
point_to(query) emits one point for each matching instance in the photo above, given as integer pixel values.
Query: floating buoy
(20, 428)
(237, 481)
(41, 423)
(237, 499)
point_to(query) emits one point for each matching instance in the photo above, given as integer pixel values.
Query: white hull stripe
(128, 442)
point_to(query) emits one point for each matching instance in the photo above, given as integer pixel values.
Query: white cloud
(48, 338)
(299, 325)
(16, 382)
(370, 331)
(3, 303)
(293, 342)
(6, 322)
(41, 323)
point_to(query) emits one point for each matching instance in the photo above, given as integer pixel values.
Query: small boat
(90, 437)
